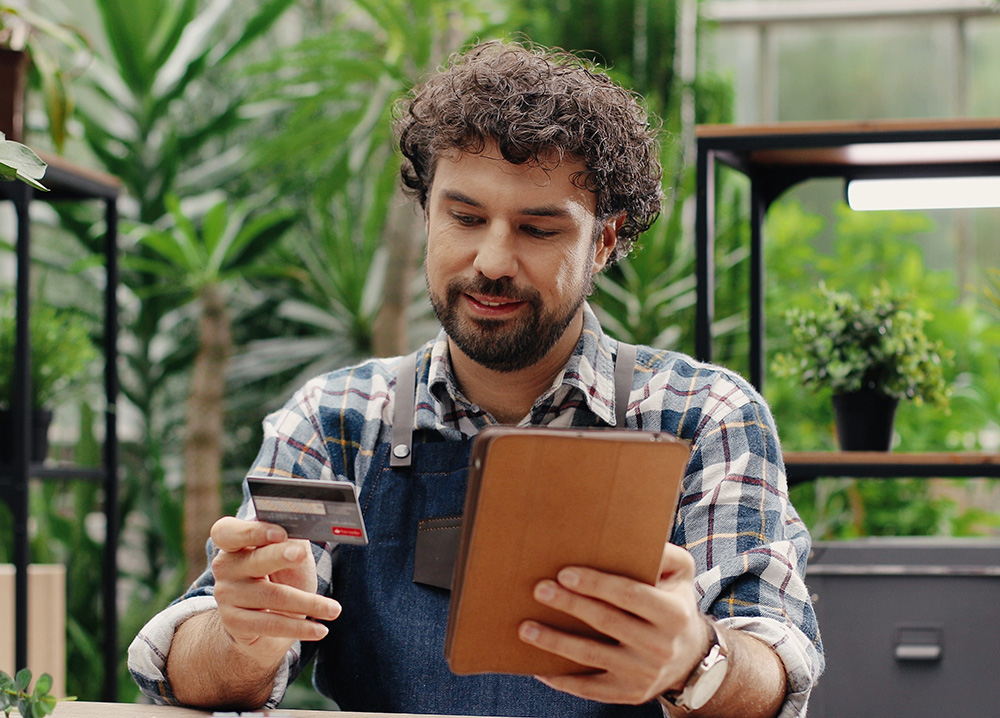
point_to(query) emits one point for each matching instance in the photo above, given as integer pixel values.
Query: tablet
(540, 499)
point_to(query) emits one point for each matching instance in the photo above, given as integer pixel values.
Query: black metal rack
(776, 157)
(66, 182)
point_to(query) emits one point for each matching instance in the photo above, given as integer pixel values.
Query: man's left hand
(659, 632)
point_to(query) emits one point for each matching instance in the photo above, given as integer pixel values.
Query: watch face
(701, 692)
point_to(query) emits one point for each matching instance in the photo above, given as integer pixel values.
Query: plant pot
(13, 74)
(865, 420)
(40, 421)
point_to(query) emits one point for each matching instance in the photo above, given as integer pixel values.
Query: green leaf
(22, 680)
(259, 24)
(174, 74)
(256, 237)
(44, 685)
(217, 225)
(45, 705)
(168, 247)
(19, 162)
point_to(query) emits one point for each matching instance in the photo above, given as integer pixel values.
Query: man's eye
(465, 219)
(539, 232)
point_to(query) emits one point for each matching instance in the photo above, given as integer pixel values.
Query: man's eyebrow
(455, 196)
(544, 211)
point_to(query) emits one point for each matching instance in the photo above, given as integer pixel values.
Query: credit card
(321, 511)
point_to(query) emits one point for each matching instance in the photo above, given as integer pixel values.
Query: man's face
(511, 255)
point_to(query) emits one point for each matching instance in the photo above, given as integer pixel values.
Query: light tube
(923, 193)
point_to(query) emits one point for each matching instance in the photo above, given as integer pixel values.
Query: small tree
(205, 261)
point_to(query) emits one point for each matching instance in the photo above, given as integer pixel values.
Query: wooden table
(82, 709)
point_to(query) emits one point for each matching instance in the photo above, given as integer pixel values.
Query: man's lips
(493, 306)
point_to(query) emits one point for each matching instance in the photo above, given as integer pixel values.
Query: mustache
(501, 287)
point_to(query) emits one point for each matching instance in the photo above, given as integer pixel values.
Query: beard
(498, 344)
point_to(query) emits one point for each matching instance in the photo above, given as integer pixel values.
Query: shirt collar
(589, 374)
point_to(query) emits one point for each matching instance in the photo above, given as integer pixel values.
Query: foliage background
(284, 106)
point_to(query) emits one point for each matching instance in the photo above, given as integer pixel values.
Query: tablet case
(540, 499)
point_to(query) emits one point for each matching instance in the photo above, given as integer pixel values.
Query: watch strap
(718, 652)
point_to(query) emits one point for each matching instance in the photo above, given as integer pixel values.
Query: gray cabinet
(909, 627)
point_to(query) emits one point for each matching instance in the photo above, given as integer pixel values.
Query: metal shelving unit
(776, 157)
(66, 182)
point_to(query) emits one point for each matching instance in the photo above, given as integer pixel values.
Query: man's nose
(496, 254)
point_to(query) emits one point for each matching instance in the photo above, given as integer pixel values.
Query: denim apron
(385, 653)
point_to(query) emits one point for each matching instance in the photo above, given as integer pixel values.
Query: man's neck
(509, 396)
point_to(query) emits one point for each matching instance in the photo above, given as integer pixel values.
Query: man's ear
(607, 241)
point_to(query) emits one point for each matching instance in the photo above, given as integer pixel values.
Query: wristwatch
(706, 677)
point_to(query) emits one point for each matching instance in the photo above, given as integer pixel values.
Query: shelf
(803, 466)
(778, 156)
(66, 181)
(46, 471)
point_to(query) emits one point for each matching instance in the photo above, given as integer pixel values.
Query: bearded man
(535, 172)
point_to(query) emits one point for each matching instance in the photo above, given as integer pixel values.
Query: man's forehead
(561, 173)
(548, 160)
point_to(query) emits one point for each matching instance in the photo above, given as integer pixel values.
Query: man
(534, 173)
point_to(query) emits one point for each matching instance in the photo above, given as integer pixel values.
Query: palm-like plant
(161, 109)
(155, 105)
(337, 89)
(203, 262)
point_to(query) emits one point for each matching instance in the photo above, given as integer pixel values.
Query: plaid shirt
(749, 545)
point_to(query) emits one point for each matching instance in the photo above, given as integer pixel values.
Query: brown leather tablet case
(540, 499)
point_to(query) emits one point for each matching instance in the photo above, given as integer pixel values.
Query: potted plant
(61, 351)
(55, 52)
(871, 351)
(15, 694)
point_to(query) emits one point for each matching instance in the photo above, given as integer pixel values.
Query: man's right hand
(265, 586)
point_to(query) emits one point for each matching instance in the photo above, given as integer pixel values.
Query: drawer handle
(909, 652)
(919, 643)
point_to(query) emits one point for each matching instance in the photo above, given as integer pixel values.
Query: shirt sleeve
(289, 449)
(749, 544)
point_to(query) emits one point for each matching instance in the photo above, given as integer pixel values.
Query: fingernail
(292, 553)
(320, 630)
(530, 632)
(569, 578)
(275, 535)
(545, 591)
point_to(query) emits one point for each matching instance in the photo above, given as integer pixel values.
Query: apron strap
(406, 382)
(624, 369)
(402, 412)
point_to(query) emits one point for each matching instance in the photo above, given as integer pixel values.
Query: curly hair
(538, 105)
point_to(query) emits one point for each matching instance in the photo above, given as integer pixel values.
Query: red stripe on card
(346, 531)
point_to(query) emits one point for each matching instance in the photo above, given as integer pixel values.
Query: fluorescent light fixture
(924, 193)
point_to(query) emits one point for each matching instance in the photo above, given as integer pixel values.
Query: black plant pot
(865, 420)
(40, 421)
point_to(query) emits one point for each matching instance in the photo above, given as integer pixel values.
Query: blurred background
(263, 240)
